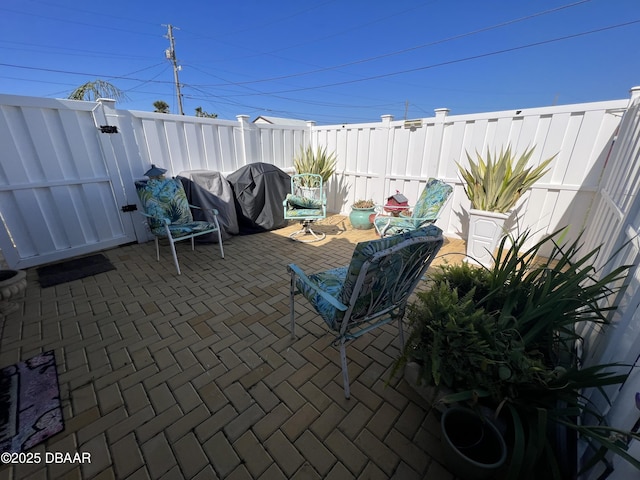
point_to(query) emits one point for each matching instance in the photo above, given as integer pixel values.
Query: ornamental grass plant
(506, 337)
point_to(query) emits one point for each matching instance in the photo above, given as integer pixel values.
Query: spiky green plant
(497, 183)
(318, 161)
(505, 337)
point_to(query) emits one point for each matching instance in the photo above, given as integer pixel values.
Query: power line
(459, 60)
(86, 74)
(335, 67)
(346, 82)
(92, 25)
(374, 77)
(417, 47)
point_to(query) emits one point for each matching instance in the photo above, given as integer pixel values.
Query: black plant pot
(473, 447)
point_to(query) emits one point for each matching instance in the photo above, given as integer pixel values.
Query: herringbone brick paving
(195, 376)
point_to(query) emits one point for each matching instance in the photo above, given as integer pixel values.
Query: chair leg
(220, 243)
(157, 249)
(400, 329)
(292, 292)
(175, 255)
(193, 244)
(304, 231)
(400, 333)
(345, 372)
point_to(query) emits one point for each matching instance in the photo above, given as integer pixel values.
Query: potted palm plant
(494, 185)
(505, 338)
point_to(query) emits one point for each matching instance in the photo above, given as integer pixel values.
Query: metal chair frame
(306, 216)
(390, 302)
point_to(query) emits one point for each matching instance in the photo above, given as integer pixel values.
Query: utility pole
(170, 53)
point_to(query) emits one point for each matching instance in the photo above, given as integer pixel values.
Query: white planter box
(485, 230)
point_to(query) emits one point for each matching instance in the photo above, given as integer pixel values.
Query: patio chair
(306, 203)
(372, 290)
(425, 211)
(168, 214)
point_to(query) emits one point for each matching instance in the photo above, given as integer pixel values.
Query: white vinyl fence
(614, 223)
(67, 172)
(377, 159)
(67, 184)
(64, 182)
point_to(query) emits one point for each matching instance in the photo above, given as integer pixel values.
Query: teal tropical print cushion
(396, 225)
(433, 197)
(378, 275)
(182, 229)
(304, 213)
(340, 282)
(296, 201)
(330, 281)
(166, 201)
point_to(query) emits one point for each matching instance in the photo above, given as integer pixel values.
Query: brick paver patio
(195, 376)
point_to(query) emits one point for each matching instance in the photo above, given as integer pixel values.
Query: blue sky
(332, 61)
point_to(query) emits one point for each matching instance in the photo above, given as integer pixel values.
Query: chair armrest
(164, 220)
(403, 218)
(213, 210)
(383, 223)
(295, 270)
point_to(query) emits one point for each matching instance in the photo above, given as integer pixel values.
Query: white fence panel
(63, 183)
(374, 159)
(614, 223)
(377, 159)
(179, 143)
(60, 194)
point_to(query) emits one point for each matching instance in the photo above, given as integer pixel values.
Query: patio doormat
(73, 270)
(30, 409)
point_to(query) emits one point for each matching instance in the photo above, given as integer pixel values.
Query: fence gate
(61, 191)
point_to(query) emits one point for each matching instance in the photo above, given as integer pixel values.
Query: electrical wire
(417, 47)
(460, 60)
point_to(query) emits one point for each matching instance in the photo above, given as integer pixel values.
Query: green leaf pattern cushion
(166, 200)
(296, 201)
(340, 282)
(397, 224)
(304, 213)
(330, 281)
(433, 197)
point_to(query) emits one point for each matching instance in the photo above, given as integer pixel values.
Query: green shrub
(506, 337)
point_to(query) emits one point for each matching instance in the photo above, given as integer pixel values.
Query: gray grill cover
(260, 189)
(209, 189)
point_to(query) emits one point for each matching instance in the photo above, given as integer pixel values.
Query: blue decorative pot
(360, 218)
